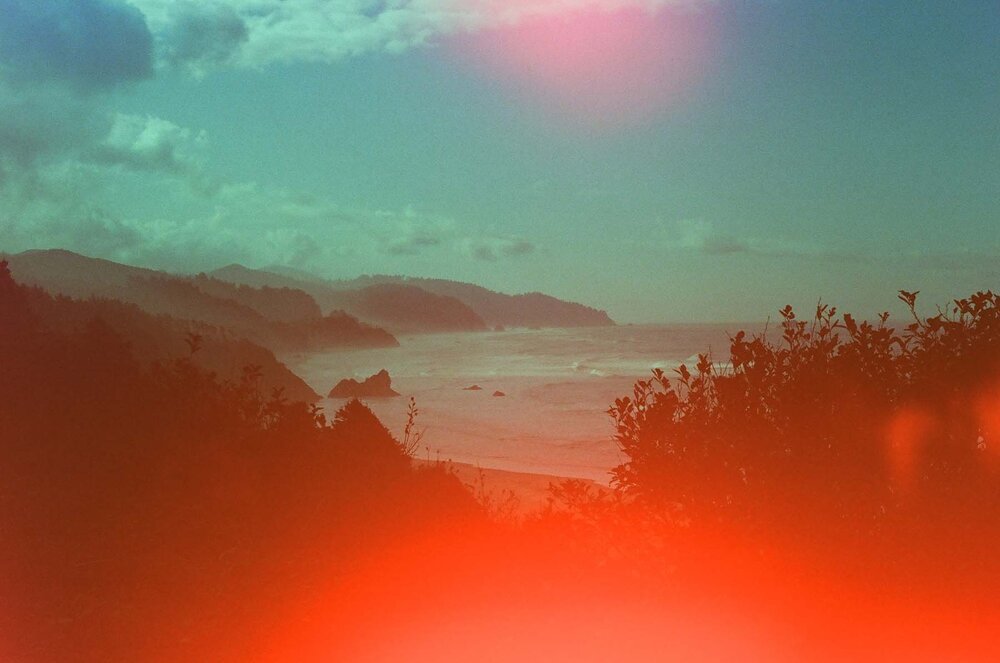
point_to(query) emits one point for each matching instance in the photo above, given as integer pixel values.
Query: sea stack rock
(474, 387)
(499, 393)
(377, 386)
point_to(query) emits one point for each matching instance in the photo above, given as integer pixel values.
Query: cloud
(52, 205)
(412, 244)
(516, 247)
(87, 44)
(409, 233)
(91, 230)
(255, 33)
(491, 249)
(41, 123)
(248, 222)
(62, 157)
(701, 236)
(75, 173)
(134, 187)
(150, 144)
(203, 35)
(243, 224)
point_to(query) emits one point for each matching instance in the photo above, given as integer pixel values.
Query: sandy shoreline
(557, 385)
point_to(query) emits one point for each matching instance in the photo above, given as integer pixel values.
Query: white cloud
(255, 33)
(135, 188)
(702, 236)
(152, 144)
(261, 225)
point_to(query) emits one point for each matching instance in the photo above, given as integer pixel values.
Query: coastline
(557, 385)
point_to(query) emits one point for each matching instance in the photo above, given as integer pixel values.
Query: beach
(557, 385)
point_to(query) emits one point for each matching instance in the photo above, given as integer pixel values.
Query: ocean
(558, 385)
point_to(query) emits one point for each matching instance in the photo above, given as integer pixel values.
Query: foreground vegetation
(153, 511)
(148, 509)
(880, 434)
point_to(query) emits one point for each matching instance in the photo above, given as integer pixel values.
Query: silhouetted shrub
(143, 500)
(837, 422)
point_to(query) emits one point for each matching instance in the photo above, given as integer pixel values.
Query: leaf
(908, 298)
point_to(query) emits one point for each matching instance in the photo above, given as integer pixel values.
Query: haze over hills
(294, 311)
(493, 308)
(281, 319)
(279, 304)
(533, 309)
(405, 308)
(244, 316)
(160, 338)
(400, 308)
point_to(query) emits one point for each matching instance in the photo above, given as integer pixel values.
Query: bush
(859, 420)
(142, 501)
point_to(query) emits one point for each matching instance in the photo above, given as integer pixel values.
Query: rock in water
(499, 393)
(376, 386)
(474, 387)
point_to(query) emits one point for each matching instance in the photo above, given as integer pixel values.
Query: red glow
(487, 596)
(905, 437)
(987, 407)
(594, 67)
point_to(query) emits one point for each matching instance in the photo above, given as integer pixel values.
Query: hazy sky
(664, 160)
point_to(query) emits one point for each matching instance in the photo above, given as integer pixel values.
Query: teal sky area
(666, 161)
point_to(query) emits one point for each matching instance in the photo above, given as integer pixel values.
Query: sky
(685, 160)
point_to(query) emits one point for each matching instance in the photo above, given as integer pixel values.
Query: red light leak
(987, 408)
(490, 596)
(905, 438)
(596, 68)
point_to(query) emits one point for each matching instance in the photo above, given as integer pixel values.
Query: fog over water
(558, 384)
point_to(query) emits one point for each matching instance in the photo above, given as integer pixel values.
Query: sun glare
(596, 67)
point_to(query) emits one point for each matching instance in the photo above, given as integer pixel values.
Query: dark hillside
(153, 512)
(408, 309)
(280, 319)
(278, 304)
(533, 309)
(151, 338)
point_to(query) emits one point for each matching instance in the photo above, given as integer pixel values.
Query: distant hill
(295, 311)
(282, 319)
(278, 304)
(493, 308)
(159, 338)
(407, 308)
(259, 278)
(533, 309)
(401, 308)
(73, 274)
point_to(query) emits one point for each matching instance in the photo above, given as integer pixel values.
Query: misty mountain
(282, 319)
(160, 338)
(406, 308)
(533, 309)
(266, 278)
(401, 308)
(278, 304)
(493, 308)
